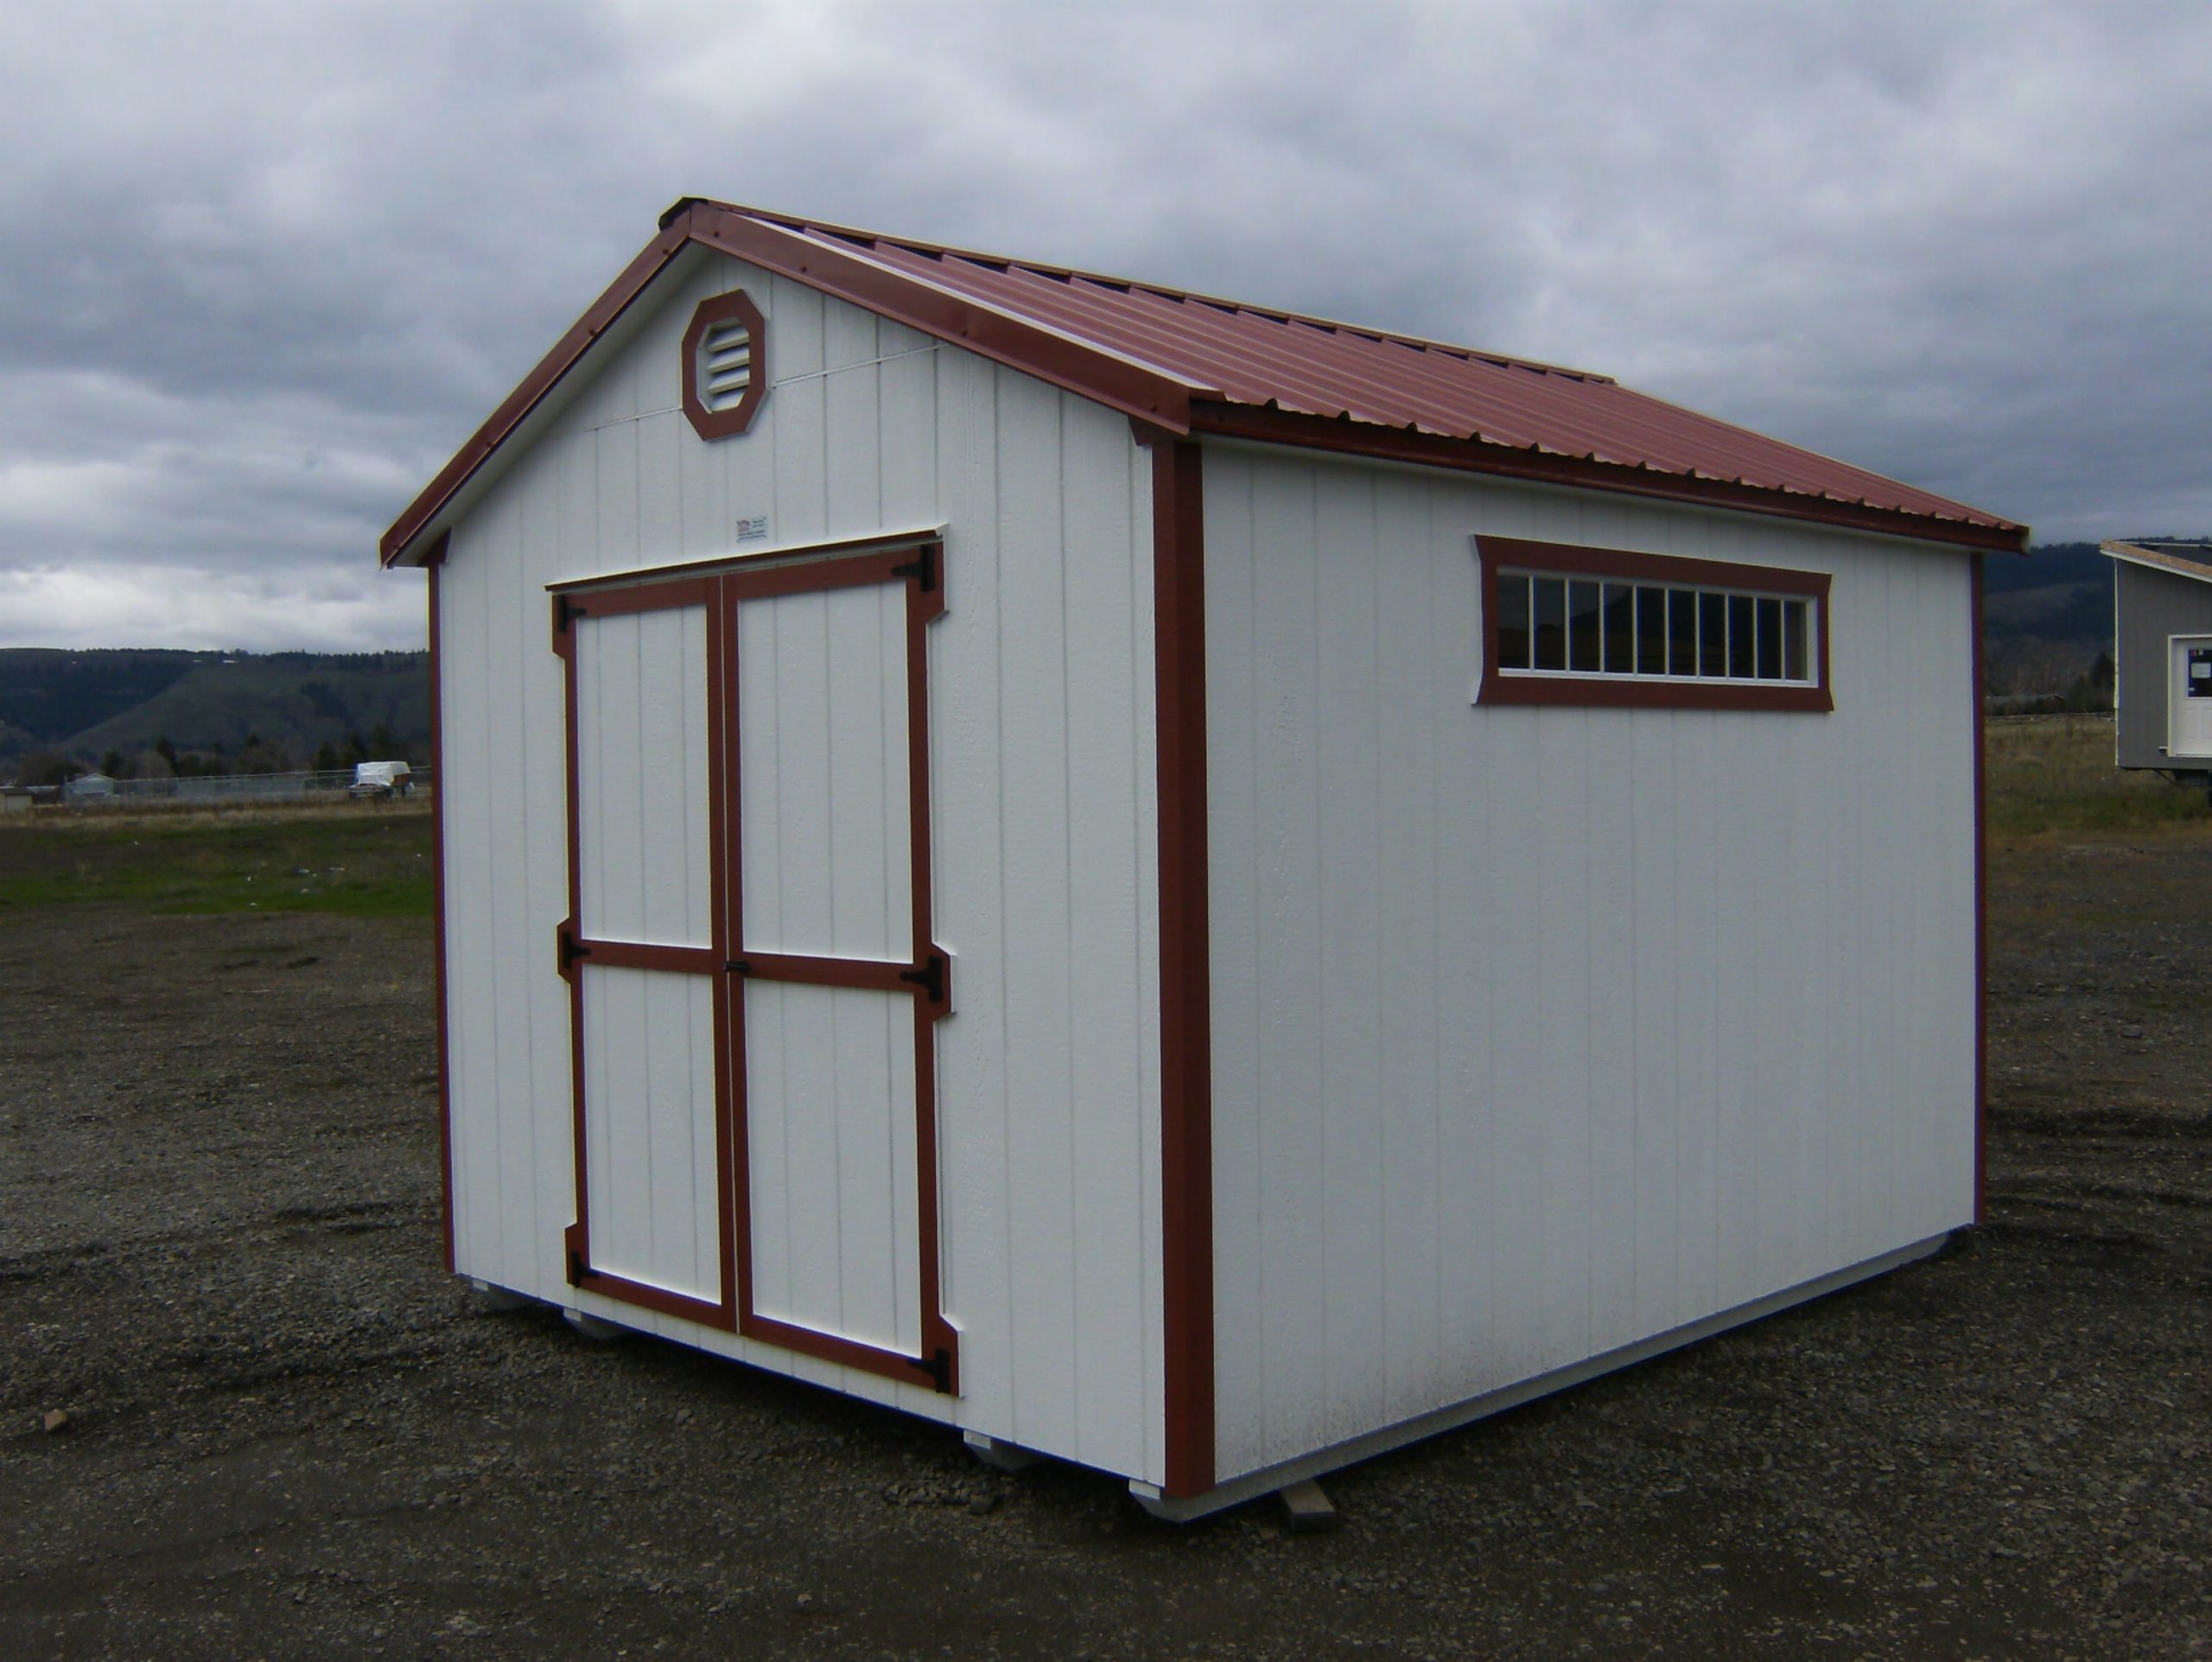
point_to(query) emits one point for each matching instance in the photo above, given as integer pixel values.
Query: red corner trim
(1981, 921)
(435, 559)
(1476, 455)
(1185, 1025)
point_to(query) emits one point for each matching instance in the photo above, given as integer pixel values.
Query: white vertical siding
(1540, 1030)
(649, 1072)
(829, 1121)
(828, 854)
(643, 853)
(1044, 823)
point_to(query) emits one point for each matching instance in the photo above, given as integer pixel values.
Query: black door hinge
(922, 567)
(579, 1271)
(929, 977)
(566, 611)
(739, 966)
(939, 1368)
(571, 950)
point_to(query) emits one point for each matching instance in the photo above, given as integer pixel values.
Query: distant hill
(85, 704)
(2060, 594)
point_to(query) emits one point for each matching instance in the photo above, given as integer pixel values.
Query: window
(1567, 624)
(725, 364)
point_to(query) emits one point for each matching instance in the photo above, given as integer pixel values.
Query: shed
(89, 788)
(2162, 651)
(1176, 886)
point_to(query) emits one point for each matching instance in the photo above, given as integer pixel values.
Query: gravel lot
(290, 1435)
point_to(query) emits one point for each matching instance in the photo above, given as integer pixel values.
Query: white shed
(1178, 887)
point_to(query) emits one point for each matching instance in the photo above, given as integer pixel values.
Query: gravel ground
(291, 1435)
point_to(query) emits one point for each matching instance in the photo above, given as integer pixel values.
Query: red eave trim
(1475, 456)
(525, 398)
(1046, 353)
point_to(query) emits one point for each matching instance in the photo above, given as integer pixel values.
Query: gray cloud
(263, 267)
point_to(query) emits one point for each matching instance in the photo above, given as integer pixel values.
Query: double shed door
(754, 984)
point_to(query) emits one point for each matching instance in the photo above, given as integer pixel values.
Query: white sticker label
(752, 531)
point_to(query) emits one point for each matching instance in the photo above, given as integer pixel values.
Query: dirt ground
(292, 1436)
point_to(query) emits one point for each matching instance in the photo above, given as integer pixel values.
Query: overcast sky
(264, 267)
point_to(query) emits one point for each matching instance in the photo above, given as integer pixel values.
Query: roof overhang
(2158, 558)
(1156, 398)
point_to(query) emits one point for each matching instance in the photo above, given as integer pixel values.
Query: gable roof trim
(2161, 559)
(1181, 362)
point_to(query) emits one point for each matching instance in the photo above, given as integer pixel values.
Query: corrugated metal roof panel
(1184, 360)
(1260, 358)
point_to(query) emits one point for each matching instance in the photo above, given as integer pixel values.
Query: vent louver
(725, 364)
(726, 368)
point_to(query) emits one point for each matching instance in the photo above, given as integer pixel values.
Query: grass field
(361, 859)
(2048, 776)
(2055, 774)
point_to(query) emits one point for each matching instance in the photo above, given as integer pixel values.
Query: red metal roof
(1189, 362)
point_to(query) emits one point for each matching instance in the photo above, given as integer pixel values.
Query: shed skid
(1256, 1484)
(992, 858)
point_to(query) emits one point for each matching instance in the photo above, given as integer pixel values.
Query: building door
(842, 984)
(2188, 697)
(644, 949)
(755, 985)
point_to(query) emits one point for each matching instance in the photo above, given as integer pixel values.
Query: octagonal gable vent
(725, 364)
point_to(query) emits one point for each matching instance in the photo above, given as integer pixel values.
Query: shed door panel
(644, 851)
(822, 724)
(829, 1110)
(2189, 696)
(650, 1129)
(841, 983)
(649, 998)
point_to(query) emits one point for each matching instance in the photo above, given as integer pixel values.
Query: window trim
(734, 306)
(1585, 687)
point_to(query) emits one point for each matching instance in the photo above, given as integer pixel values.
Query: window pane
(1740, 630)
(1513, 621)
(1582, 625)
(1682, 632)
(1769, 640)
(1793, 641)
(1651, 632)
(1550, 623)
(1713, 634)
(1620, 628)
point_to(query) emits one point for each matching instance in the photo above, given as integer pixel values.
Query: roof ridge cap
(1165, 291)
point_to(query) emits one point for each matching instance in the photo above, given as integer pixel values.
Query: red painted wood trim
(650, 955)
(721, 308)
(720, 1313)
(1046, 353)
(764, 559)
(436, 560)
(809, 574)
(1475, 456)
(1980, 920)
(1497, 553)
(542, 380)
(1185, 1022)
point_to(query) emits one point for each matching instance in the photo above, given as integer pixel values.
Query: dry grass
(2055, 774)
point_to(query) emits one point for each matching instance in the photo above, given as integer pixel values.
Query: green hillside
(87, 704)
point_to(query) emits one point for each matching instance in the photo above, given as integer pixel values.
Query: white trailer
(1184, 889)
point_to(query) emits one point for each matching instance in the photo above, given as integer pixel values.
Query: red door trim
(917, 566)
(573, 947)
